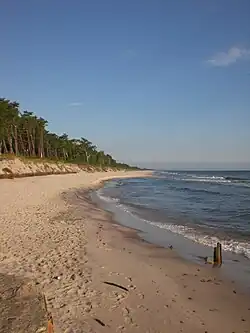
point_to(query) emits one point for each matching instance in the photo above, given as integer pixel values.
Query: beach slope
(96, 275)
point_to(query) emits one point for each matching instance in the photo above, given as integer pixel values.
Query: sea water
(204, 207)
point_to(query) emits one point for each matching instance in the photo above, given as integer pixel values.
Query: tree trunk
(23, 150)
(33, 147)
(29, 142)
(16, 140)
(5, 150)
(46, 150)
(64, 154)
(54, 152)
(10, 141)
(41, 145)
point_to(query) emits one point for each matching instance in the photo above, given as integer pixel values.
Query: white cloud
(223, 59)
(75, 104)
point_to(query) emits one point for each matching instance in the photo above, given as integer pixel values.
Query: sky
(152, 82)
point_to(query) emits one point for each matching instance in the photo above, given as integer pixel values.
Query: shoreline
(235, 266)
(164, 255)
(53, 235)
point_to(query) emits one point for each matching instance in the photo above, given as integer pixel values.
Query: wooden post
(219, 254)
(215, 255)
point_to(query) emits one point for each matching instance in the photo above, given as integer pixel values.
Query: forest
(25, 134)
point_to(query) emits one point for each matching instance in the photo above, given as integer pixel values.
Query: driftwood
(115, 285)
(99, 322)
(49, 317)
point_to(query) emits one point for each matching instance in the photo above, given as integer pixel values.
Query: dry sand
(55, 241)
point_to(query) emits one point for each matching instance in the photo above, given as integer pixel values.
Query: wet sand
(235, 267)
(98, 276)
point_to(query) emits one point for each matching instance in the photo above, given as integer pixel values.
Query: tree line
(25, 134)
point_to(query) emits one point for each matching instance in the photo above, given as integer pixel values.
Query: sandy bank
(54, 236)
(20, 168)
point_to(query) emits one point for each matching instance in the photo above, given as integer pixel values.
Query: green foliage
(24, 134)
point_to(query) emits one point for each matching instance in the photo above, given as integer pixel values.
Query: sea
(190, 210)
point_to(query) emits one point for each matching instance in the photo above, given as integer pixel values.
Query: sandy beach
(98, 276)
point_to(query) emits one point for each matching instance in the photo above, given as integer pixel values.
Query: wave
(220, 180)
(113, 183)
(238, 179)
(194, 177)
(207, 180)
(169, 173)
(204, 175)
(106, 198)
(231, 245)
(203, 178)
(209, 177)
(192, 190)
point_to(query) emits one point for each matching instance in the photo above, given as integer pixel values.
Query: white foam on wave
(170, 173)
(106, 198)
(114, 201)
(207, 180)
(228, 245)
(192, 177)
(216, 180)
(208, 177)
(197, 178)
(111, 183)
(231, 245)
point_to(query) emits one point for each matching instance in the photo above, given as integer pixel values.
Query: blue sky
(149, 81)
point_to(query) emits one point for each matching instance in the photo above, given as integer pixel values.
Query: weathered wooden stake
(215, 255)
(219, 254)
